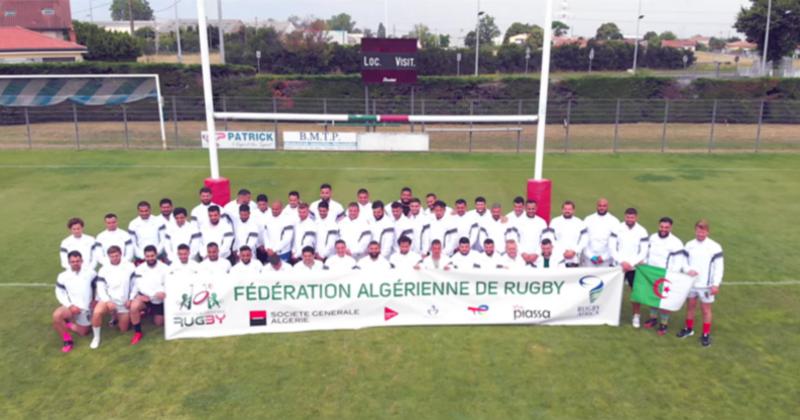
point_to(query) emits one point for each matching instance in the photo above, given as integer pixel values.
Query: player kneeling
(113, 292)
(74, 293)
(148, 292)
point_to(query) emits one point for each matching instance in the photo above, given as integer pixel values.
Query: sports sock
(96, 331)
(690, 324)
(68, 325)
(664, 319)
(706, 328)
(67, 337)
(137, 327)
(653, 313)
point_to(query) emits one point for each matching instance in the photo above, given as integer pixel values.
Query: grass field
(453, 372)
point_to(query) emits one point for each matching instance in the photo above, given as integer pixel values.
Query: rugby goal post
(41, 90)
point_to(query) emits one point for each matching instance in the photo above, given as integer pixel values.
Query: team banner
(264, 140)
(204, 306)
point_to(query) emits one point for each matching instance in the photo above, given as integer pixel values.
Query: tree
(424, 35)
(784, 34)
(341, 22)
(716, 44)
(608, 31)
(488, 31)
(381, 30)
(368, 33)
(652, 38)
(668, 36)
(560, 28)
(141, 10)
(444, 41)
(106, 45)
(517, 28)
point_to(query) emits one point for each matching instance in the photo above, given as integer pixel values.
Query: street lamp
(527, 57)
(639, 18)
(258, 62)
(458, 65)
(478, 36)
(591, 58)
(221, 33)
(178, 34)
(766, 39)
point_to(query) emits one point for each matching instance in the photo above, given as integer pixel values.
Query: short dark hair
(665, 219)
(547, 241)
(377, 204)
(631, 210)
(244, 191)
(374, 243)
(519, 200)
(488, 241)
(463, 240)
(150, 248)
(362, 191)
(262, 198)
(323, 205)
(302, 206)
(74, 221)
(461, 201)
(436, 242)
(112, 249)
(397, 205)
(183, 246)
(294, 193)
(405, 189)
(530, 201)
(165, 201)
(415, 200)
(212, 245)
(244, 207)
(205, 190)
(143, 204)
(353, 204)
(213, 209)
(74, 254)
(179, 210)
(325, 185)
(308, 249)
(439, 203)
(245, 248)
(403, 239)
(110, 216)
(431, 195)
(480, 199)
(339, 241)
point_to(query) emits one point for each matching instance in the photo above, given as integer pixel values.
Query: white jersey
(471, 261)
(86, 245)
(445, 231)
(498, 231)
(305, 234)
(245, 233)
(250, 270)
(706, 258)
(339, 264)
(199, 214)
(327, 235)
(368, 264)
(513, 217)
(220, 267)
(405, 261)
(335, 210)
(177, 267)
(300, 267)
(356, 234)
(570, 234)
(220, 234)
(175, 236)
(232, 209)
(365, 212)
(115, 282)
(429, 263)
(420, 225)
(516, 263)
(277, 233)
(149, 280)
(119, 237)
(383, 232)
(145, 232)
(491, 262)
(529, 232)
(402, 227)
(467, 227)
(599, 229)
(556, 260)
(666, 252)
(260, 217)
(269, 268)
(628, 244)
(75, 288)
(480, 222)
(291, 212)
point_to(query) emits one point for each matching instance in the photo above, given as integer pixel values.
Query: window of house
(48, 11)
(11, 13)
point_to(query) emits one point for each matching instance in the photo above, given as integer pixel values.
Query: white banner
(264, 140)
(393, 142)
(319, 140)
(200, 306)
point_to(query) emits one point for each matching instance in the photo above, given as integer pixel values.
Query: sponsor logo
(335, 313)
(478, 310)
(525, 313)
(289, 317)
(433, 311)
(199, 308)
(389, 313)
(590, 310)
(595, 286)
(199, 321)
(661, 294)
(258, 318)
(188, 300)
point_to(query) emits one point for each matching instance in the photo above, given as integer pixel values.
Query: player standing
(78, 241)
(628, 244)
(664, 250)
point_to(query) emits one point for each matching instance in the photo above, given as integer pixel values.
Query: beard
(663, 235)
(374, 255)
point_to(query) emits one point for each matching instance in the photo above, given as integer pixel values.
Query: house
(519, 39)
(740, 47)
(52, 18)
(701, 40)
(680, 44)
(566, 40)
(228, 25)
(281, 27)
(20, 45)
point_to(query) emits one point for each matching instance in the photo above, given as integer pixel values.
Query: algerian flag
(659, 288)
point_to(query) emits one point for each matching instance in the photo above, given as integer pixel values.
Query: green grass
(432, 372)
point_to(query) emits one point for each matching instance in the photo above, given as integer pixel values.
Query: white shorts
(703, 293)
(84, 318)
(121, 309)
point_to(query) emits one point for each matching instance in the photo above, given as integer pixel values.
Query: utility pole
(386, 15)
(130, 15)
(221, 34)
(766, 39)
(91, 12)
(178, 34)
(478, 36)
(639, 17)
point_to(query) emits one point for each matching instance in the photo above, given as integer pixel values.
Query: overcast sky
(457, 17)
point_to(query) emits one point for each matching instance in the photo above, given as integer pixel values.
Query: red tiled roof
(28, 14)
(678, 43)
(21, 39)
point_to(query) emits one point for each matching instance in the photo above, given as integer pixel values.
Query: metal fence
(615, 125)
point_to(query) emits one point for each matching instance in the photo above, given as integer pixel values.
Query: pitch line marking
(385, 169)
(729, 283)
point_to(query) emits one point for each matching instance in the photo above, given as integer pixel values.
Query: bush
(105, 45)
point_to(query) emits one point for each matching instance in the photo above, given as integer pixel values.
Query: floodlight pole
(205, 63)
(221, 34)
(636, 40)
(766, 39)
(477, 37)
(178, 34)
(540, 189)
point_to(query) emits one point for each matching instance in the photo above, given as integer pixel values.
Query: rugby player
(305, 231)
(245, 231)
(340, 261)
(78, 241)
(113, 286)
(200, 212)
(114, 236)
(599, 226)
(570, 234)
(182, 232)
(74, 294)
(148, 292)
(326, 195)
(214, 264)
(404, 258)
(247, 267)
(382, 230)
(327, 231)
(464, 258)
(146, 231)
(628, 244)
(436, 260)
(374, 260)
(217, 231)
(307, 261)
(666, 251)
(355, 231)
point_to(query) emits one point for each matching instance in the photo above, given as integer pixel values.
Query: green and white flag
(659, 288)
